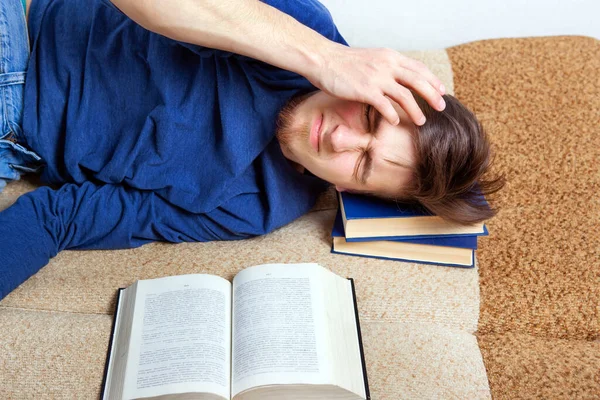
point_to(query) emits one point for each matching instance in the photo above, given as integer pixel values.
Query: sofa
(523, 324)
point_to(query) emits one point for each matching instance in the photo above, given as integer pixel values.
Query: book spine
(110, 344)
(360, 343)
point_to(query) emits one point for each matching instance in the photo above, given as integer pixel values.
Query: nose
(345, 138)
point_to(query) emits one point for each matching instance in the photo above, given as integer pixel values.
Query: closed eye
(376, 120)
(367, 111)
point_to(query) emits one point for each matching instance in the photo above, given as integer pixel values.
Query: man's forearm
(246, 27)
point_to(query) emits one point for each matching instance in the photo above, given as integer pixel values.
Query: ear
(339, 189)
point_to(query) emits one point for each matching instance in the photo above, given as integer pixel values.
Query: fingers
(416, 82)
(385, 108)
(379, 77)
(422, 70)
(405, 98)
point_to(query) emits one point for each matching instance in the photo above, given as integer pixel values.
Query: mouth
(315, 133)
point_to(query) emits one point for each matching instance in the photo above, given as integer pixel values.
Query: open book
(280, 331)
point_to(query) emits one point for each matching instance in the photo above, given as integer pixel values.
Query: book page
(345, 349)
(278, 327)
(181, 337)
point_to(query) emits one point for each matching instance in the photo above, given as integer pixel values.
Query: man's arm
(257, 30)
(93, 216)
(248, 27)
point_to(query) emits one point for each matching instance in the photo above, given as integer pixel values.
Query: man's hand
(368, 75)
(249, 27)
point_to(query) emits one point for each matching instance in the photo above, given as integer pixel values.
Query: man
(156, 121)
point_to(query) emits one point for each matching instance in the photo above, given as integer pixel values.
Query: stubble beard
(287, 134)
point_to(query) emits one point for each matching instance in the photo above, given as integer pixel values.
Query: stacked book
(370, 227)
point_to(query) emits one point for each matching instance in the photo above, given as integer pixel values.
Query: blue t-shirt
(109, 101)
(148, 138)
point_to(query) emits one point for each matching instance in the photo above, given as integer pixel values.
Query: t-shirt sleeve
(95, 216)
(243, 216)
(312, 14)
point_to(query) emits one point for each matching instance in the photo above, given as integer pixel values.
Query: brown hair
(452, 154)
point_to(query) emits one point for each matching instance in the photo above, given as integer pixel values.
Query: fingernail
(442, 105)
(397, 121)
(422, 120)
(442, 89)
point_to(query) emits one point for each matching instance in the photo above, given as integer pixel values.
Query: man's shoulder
(312, 14)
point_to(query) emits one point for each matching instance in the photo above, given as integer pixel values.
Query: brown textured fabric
(525, 367)
(539, 99)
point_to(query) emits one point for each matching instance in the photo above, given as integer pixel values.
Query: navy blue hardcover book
(372, 218)
(425, 251)
(462, 241)
(452, 240)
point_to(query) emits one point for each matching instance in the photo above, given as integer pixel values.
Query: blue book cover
(359, 206)
(372, 218)
(462, 241)
(422, 251)
(406, 238)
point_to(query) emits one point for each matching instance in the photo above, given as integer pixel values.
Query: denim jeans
(15, 158)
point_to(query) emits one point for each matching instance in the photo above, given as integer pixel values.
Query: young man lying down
(211, 120)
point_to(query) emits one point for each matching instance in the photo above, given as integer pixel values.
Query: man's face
(334, 140)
